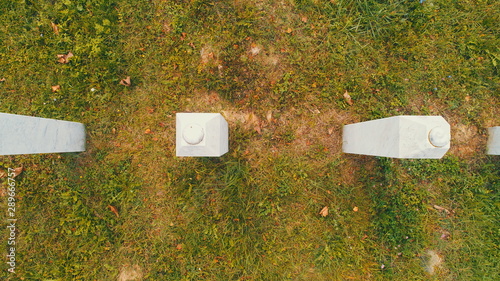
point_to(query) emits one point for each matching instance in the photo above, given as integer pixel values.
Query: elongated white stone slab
(21, 134)
(493, 146)
(399, 137)
(201, 135)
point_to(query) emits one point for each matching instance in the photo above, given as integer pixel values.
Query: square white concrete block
(399, 137)
(201, 135)
(493, 146)
(21, 134)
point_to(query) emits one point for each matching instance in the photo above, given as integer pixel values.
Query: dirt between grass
(434, 262)
(130, 273)
(466, 141)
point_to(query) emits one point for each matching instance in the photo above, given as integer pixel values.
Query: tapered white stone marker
(201, 135)
(399, 137)
(493, 146)
(21, 134)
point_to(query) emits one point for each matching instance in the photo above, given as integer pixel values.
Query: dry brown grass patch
(130, 273)
(466, 140)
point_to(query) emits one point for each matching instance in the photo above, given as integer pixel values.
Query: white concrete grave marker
(201, 135)
(399, 137)
(493, 146)
(21, 134)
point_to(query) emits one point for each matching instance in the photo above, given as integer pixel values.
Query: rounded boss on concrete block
(399, 137)
(201, 135)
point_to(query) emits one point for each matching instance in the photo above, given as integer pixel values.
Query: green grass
(278, 72)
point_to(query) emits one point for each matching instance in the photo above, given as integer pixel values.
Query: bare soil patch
(130, 273)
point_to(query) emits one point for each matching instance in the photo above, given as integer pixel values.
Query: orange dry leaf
(355, 209)
(55, 28)
(55, 88)
(347, 98)
(324, 212)
(64, 58)
(2, 80)
(148, 131)
(213, 97)
(126, 81)
(114, 210)
(17, 171)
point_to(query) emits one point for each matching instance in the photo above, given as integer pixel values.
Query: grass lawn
(286, 75)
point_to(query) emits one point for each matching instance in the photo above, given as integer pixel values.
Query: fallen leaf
(213, 97)
(114, 210)
(2, 80)
(439, 208)
(330, 130)
(303, 19)
(269, 116)
(467, 98)
(206, 54)
(179, 247)
(17, 171)
(289, 30)
(148, 131)
(3, 174)
(355, 209)
(253, 122)
(324, 212)
(314, 110)
(65, 58)
(445, 234)
(347, 98)
(55, 88)
(125, 82)
(55, 28)
(255, 49)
